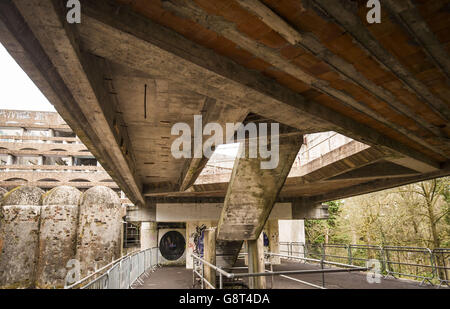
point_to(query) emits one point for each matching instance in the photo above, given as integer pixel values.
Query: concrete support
(191, 227)
(149, 235)
(209, 240)
(273, 235)
(252, 190)
(256, 262)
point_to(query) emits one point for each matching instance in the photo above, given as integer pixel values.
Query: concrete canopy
(131, 70)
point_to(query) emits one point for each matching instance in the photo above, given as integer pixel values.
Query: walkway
(178, 277)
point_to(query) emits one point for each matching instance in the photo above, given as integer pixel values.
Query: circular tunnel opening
(172, 245)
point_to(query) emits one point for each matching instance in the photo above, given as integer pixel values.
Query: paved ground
(180, 278)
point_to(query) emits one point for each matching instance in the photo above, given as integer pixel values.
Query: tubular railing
(416, 262)
(409, 262)
(442, 265)
(199, 268)
(122, 273)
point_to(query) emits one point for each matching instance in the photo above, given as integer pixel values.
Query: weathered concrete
(57, 237)
(19, 237)
(210, 255)
(191, 227)
(184, 212)
(256, 262)
(99, 230)
(149, 235)
(273, 234)
(24, 195)
(252, 191)
(302, 210)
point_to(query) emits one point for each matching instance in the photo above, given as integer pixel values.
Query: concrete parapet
(57, 237)
(99, 229)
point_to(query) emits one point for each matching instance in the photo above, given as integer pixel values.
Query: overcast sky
(17, 91)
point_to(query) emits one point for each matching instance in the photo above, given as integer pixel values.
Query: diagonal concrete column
(252, 191)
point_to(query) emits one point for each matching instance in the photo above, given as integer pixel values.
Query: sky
(17, 91)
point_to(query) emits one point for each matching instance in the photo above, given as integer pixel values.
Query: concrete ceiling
(132, 69)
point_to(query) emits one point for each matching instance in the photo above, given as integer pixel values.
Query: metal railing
(122, 273)
(432, 266)
(199, 270)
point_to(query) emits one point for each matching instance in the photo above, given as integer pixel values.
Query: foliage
(413, 215)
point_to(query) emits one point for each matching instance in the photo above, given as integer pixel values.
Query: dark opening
(172, 245)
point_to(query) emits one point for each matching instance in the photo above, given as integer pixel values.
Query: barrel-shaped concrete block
(58, 234)
(99, 231)
(24, 195)
(19, 237)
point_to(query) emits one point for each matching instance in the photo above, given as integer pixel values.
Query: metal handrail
(127, 271)
(432, 271)
(267, 273)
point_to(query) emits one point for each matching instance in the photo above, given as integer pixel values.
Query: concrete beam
(405, 12)
(302, 211)
(252, 191)
(111, 31)
(212, 112)
(145, 213)
(68, 78)
(188, 9)
(378, 185)
(352, 23)
(185, 212)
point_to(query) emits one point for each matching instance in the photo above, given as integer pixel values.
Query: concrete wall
(292, 230)
(149, 235)
(184, 212)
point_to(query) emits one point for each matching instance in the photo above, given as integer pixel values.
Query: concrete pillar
(19, 237)
(57, 237)
(209, 255)
(70, 161)
(191, 227)
(245, 245)
(40, 160)
(274, 242)
(256, 262)
(149, 235)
